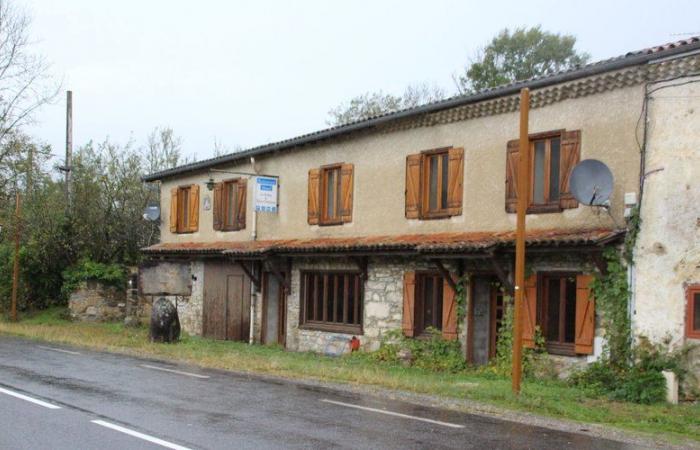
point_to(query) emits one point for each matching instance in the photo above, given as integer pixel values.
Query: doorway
(485, 316)
(273, 313)
(226, 312)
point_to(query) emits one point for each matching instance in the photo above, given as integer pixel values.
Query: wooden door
(226, 312)
(274, 307)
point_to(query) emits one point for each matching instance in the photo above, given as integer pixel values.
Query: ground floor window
(331, 301)
(428, 307)
(693, 312)
(558, 313)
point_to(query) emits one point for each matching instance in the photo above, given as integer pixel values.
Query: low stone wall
(93, 301)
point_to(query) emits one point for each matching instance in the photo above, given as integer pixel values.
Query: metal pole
(69, 148)
(15, 268)
(523, 187)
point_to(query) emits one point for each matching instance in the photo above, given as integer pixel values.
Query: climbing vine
(634, 223)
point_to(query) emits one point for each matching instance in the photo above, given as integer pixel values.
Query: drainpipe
(253, 237)
(254, 233)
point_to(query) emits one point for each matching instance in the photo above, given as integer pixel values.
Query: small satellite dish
(151, 212)
(591, 182)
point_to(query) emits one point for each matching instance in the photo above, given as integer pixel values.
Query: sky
(245, 73)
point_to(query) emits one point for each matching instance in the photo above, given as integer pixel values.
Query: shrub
(430, 352)
(87, 270)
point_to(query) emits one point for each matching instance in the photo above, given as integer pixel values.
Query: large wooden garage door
(226, 302)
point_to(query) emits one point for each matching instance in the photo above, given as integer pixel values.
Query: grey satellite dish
(591, 182)
(151, 212)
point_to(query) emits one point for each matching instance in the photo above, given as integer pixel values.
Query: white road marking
(29, 399)
(58, 350)
(196, 375)
(391, 413)
(136, 434)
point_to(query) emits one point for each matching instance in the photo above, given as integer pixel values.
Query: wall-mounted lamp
(211, 184)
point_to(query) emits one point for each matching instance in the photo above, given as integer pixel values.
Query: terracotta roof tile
(417, 243)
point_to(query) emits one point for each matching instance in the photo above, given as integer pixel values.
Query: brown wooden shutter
(529, 311)
(449, 311)
(346, 187)
(570, 156)
(512, 160)
(218, 206)
(242, 186)
(173, 210)
(409, 302)
(455, 183)
(313, 209)
(413, 186)
(194, 207)
(585, 315)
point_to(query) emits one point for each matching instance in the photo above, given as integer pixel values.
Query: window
(429, 299)
(330, 195)
(693, 312)
(553, 156)
(434, 183)
(545, 160)
(230, 205)
(332, 301)
(558, 313)
(184, 209)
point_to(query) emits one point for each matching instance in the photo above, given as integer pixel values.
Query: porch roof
(418, 244)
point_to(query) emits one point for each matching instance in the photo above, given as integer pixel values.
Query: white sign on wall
(266, 194)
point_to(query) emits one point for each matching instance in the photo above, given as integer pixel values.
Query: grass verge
(548, 398)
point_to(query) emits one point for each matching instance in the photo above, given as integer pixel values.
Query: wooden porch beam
(501, 274)
(600, 262)
(361, 262)
(250, 273)
(446, 274)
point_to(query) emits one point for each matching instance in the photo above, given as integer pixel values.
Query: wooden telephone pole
(523, 189)
(69, 149)
(15, 267)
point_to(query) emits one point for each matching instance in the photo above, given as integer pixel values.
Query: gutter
(511, 89)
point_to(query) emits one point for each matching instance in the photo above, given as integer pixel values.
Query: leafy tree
(519, 55)
(374, 104)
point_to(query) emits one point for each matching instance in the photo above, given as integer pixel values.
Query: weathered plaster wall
(667, 254)
(607, 121)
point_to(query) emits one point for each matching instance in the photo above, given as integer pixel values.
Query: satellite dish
(591, 182)
(151, 212)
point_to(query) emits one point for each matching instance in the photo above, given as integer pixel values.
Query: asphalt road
(64, 398)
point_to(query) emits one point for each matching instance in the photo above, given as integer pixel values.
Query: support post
(15, 267)
(69, 149)
(523, 187)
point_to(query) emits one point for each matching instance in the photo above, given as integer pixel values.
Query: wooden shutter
(218, 206)
(585, 315)
(455, 181)
(242, 186)
(413, 186)
(194, 207)
(313, 209)
(449, 311)
(512, 161)
(173, 210)
(409, 302)
(570, 156)
(529, 311)
(346, 187)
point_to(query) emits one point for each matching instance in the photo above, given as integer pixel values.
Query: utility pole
(30, 169)
(15, 268)
(69, 149)
(523, 188)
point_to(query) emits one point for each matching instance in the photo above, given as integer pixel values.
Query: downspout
(253, 237)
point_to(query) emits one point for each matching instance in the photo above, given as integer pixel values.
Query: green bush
(87, 270)
(430, 352)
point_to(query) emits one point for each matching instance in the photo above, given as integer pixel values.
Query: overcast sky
(248, 73)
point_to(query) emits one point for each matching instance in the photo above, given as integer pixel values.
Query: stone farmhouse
(376, 225)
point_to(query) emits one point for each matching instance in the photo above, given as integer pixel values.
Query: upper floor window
(553, 156)
(184, 209)
(434, 183)
(230, 205)
(330, 195)
(692, 327)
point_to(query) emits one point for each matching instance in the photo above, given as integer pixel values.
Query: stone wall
(93, 301)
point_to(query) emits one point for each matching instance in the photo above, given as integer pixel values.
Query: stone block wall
(93, 301)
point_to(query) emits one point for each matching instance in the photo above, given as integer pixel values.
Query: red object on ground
(354, 344)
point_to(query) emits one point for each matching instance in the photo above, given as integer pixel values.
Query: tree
(163, 150)
(517, 56)
(25, 84)
(374, 104)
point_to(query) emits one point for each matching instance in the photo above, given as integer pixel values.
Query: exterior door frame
(484, 275)
(281, 310)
